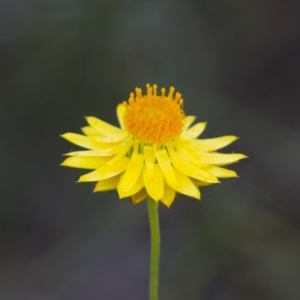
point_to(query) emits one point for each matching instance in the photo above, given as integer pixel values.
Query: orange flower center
(154, 119)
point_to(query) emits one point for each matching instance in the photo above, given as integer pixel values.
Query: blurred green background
(237, 64)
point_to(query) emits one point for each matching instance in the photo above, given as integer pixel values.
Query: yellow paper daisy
(155, 153)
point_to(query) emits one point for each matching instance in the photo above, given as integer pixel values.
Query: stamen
(138, 92)
(171, 92)
(155, 89)
(177, 97)
(149, 90)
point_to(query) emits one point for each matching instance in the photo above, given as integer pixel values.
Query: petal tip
(167, 205)
(234, 138)
(89, 118)
(81, 179)
(244, 156)
(64, 135)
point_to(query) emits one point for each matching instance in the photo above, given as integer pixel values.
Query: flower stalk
(155, 248)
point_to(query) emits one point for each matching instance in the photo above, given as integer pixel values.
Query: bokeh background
(237, 64)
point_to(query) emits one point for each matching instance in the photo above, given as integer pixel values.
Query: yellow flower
(155, 153)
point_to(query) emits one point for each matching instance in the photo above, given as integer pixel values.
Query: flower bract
(156, 152)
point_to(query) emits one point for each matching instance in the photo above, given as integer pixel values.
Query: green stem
(155, 248)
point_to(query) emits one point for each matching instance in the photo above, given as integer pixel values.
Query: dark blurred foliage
(237, 64)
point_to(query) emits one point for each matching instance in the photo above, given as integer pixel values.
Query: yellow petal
(112, 137)
(105, 171)
(139, 184)
(101, 126)
(81, 140)
(90, 131)
(184, 165)
(107, 132)
(149, 160)
(154, 184)
(107, 184)
(132, 173)
(179, 145)
(194, 131)
(100, 152)
(83, 162)
(188, 121)
(185, 185)
(121, 109)
(94, 143)
(207, 145)
(164, 163)
(219, 159)
(221, 172)
(139, 197)
(169, 195)
(201, 183)
(122, 152)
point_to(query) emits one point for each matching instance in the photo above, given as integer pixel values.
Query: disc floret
(152, 118)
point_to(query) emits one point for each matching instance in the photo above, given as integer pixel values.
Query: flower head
(155, 153)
